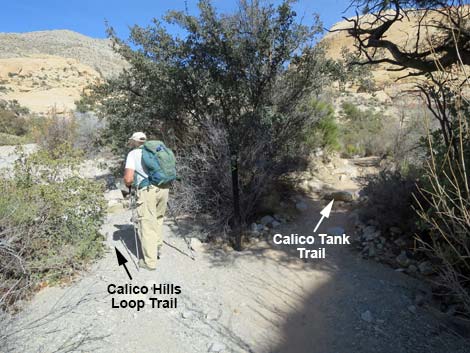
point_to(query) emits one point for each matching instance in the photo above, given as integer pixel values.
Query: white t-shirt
(134, 162)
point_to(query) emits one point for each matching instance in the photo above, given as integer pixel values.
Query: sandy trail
(263, 299)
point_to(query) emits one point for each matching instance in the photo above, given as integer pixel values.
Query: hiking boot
(159, 252)
(142, 264)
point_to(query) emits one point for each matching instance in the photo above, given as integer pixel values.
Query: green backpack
(159, 162)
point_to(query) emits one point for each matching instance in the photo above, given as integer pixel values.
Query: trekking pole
(133, 206)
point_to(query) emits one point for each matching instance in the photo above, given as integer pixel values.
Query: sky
(88, 16)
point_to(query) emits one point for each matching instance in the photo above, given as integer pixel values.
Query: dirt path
(264, 300)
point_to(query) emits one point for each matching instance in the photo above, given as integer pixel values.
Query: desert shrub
(13, 118)
(445, 211)
(8, 139)
(81, 130)
(53, 130)
(89, 130)
(204, 186)
(324, 133)
(389, 200)
(49, 223)
(360, 131)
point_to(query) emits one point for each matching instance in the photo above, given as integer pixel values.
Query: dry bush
(389, 199)
(446, 216)
(445, 213)
(204, 189)
(89, 131)
(54, 130)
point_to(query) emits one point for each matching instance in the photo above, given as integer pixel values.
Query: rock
(367, 316)
(401, 242)
(402, 259)
(335, 231)
(301, 206)
(425, 268)
(345, 196)
(370, 233)
(187, 314)
(211, 316)
(196, 244)
(275, 224)
(412, 309)
(253, 227)
(412, 269)
(279, 218)
(216, 347)
(318, 152)
(266, 220)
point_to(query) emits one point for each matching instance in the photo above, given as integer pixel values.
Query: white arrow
(324, 213)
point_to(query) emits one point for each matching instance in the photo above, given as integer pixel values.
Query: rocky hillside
(48, 69)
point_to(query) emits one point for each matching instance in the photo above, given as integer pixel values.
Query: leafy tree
(245, 74)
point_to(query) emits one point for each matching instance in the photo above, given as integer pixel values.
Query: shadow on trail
(125, 234)
(318, 305)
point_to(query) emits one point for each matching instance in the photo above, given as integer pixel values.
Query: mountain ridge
(46, 70)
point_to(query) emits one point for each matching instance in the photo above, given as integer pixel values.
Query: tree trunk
(237, 224)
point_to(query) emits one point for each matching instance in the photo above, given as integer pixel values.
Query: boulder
(279, 218)
(253, 227)
(196, 244)
(266, 220)
(367, 316)
(345, 196)
(403, 259)
(425, 268)
(335, 231)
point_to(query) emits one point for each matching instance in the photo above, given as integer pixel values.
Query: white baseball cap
(138, 136)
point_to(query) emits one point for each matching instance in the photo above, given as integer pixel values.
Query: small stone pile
(266, 223)
(394, 249)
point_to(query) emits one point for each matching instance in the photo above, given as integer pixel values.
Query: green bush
(360, 133)
(324, 133)
(12, 124)
(8, 139)
(49, 223)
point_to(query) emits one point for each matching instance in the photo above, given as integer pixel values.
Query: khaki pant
(151, 207)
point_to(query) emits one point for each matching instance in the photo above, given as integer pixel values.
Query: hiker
(150, 167)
